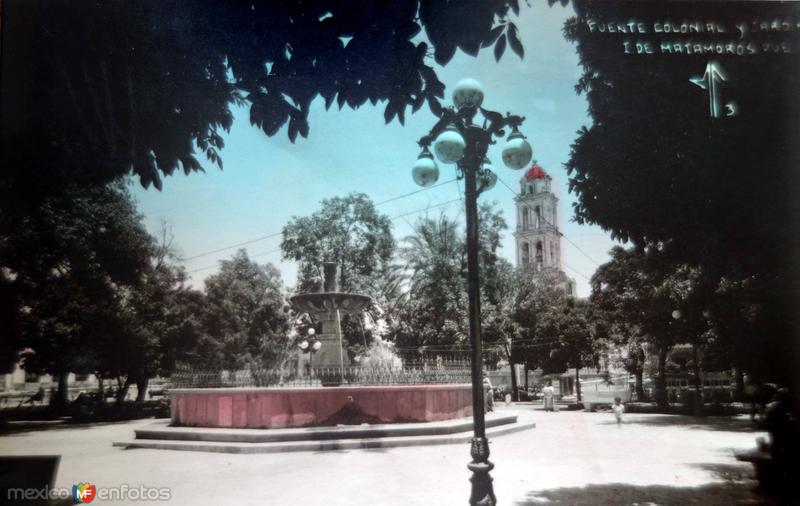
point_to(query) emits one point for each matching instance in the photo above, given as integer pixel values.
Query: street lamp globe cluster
(310, 344)
(458, 140)
(450, 144)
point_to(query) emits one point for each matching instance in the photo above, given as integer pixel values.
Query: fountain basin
(305, 407)
(327, 303)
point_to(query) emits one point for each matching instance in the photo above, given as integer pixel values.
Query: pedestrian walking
(618, 408)
(549, 394)
(488, 395)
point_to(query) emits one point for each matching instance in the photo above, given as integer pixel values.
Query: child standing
(618, 408)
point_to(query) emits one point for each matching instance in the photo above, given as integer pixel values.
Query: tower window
(539, 256)
(525, 218)
(526, 254)
(538, 217)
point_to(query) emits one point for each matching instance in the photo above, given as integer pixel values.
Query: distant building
(20, 385)
(537, 235)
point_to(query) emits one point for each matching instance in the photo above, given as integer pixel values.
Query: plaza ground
(571, 457)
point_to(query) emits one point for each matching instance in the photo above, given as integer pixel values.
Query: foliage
(94, 292)
(647, 296)
(162, 324)
(245, 313)
(664, 174)
(142, 86)
(569, 326)
(347, 231)
(435, 312)
(68, 265)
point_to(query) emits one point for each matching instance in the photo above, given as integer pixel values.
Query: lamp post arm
(448, 116)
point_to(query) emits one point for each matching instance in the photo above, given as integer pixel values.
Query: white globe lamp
(517, 152)
(467, 93)
(425, 171)
(449, 146)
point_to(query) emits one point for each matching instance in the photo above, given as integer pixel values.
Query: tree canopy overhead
(656, 168)
(138, 86)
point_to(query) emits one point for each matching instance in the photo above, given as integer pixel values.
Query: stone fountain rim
(320, 294)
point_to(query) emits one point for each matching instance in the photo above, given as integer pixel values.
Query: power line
(414, 192)
(276, 234)
(234, 246)
(277, 250)
(559, 232)
(425, 209)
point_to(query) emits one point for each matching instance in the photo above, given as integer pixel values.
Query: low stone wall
(301, 407)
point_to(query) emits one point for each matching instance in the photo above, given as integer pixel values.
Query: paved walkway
(570, 458)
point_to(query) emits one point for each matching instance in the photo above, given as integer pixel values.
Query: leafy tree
(161, 328)
(621, 340)
(554, 330)
(148, 83)
(536, 295)
(245, 313)
(568, 329)
(499, 331)
(716, 193)
(436, 309)
(66, 270)
(643, 290)
(347, 231)
(435, 314)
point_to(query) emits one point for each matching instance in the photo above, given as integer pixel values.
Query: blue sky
(267, 181)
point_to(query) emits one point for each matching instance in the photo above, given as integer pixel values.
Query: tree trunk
(141, 389)
(101, 393)
(738, 393)
(578, 382)
(62, 396)
(525, 371)
(514, 389)
(122, 392)
(661, 379)
(639, 385)
(698, 393)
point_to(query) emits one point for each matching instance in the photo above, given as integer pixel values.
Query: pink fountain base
(274, 408)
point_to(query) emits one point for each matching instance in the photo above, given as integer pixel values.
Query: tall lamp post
(458, 140)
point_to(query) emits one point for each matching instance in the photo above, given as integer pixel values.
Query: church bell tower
(538, 239)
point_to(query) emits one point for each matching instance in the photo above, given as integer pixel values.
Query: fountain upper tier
(330, 300)
(327, 303)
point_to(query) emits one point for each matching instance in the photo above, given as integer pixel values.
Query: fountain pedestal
(327, 307)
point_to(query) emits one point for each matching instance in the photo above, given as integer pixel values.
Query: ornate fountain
(328, 306)
(330, 404)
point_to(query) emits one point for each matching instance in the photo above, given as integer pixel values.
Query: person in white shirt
(548, 394)
(618, 408)
(488, 395)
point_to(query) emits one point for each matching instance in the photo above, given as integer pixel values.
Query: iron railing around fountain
(408, 374)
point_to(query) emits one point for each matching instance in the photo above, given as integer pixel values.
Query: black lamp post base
(482, 489)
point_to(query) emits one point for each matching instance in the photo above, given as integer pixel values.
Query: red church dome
(535, 172)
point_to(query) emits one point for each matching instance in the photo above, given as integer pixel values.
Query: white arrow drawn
(710, 81)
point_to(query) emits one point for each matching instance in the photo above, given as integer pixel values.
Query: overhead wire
(278, 249)
(276, 234)
(560, 234)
